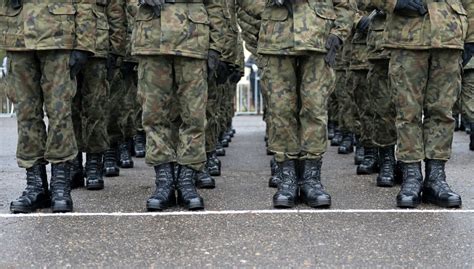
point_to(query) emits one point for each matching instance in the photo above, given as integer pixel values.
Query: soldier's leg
(467, 98)
(384, 130)
(280, 75)
(24, 90)
(317, 83)
(408, 73)
(345, 102)
(94, 92)
(77, 168)
(444, 83)
(363, 97)
(61, 148)
(139, 140)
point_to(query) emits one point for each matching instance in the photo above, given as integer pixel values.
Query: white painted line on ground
(237, 212)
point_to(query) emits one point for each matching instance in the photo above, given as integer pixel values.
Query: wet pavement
(363, 228)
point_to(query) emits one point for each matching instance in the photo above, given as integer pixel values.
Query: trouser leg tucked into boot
(187, 193)
(435, 188)
(370, 163)
(94, 169)
(287, 193)
(386, 177)
(337, 139)
(36, 194)
(311, 190)
(61, 200)
(111, 168)
(410, 192)
(164, 195)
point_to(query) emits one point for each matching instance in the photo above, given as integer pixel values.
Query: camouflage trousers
(363, 98)
(298, 91)
(227, 108)
(170, 85)
(89, 108)
(349, 120)
(122, 108)
(382, 99)
(467, 95)
(427, 84)
(37, 80)
(212, 116)
(334, 103)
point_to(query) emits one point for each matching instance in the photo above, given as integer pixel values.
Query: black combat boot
(36, 194)
(386, 177)
(220, 151)
(187, 193)
(274, 179)
(435, 188)
(111, 168)
(370, 164)
(312, 191)
(347, 144)
(139, 142)
(77, 172)
(227, 136)
(471, 136)
(94, 169)
(125, 160)
(224, 142)
(61, 201)
(164, 195)
(213, 164)
(337, 139)
(410, 193)
(204, 180)
(287, 193)
(331, 129)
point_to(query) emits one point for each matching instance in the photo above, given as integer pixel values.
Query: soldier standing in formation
(91, 100)
(177, 45)
(48, 44)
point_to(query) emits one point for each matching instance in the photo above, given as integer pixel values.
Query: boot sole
(159, 207)
(450, 204)
(194, 205)
(320, 204)
(110, 172)
(26, 210)
(61, 209)
(215, 174)
(126, 166)
(283, 204)
(95, 187)
(205, 186)
(406, 204)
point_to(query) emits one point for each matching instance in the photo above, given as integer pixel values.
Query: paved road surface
(363, 228)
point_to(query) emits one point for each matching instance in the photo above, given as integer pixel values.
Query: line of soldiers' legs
(362, 118)
(107, 125)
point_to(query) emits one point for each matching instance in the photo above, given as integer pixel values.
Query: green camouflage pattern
(111, 27)
(446, 25)
(359, 53)
(249, 19)
(36, 81)
(182, 30)
(131, 11)
(89, 108)
(383, 103)
(467, 95)
(48, 25)
(157, 90)
(298, 111)
(289, 33)
(363, 98)
(427, 83)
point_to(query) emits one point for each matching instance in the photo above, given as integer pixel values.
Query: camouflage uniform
(172, 66)
(38, 51)
(89, 109)
(293, 53)
(425, 70)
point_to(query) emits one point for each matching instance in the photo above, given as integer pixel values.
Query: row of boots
(298, 181)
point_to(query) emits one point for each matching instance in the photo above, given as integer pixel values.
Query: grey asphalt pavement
(344, 236)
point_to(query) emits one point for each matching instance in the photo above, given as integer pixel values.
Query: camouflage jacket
(470, 65)
(111, 27)
(375, 47)
(48, 25)
(131, 12)
(184, 29)
(304, 25)
(249, 19)
(448, 24)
